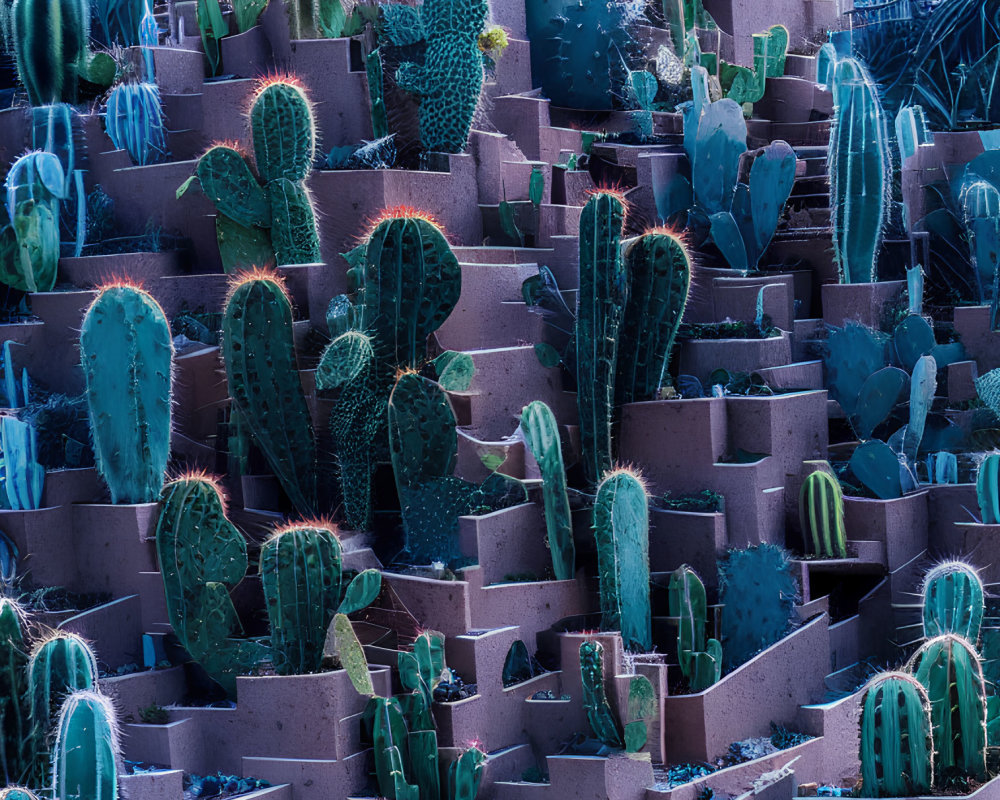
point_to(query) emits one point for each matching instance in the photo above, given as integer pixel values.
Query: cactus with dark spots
(87, 749)
(659, 274)
(896, 744)
(700, 660)
(541, 433)
(821, 515)
(300, 569)
(14, 720)
(126, 353)
(621, 528)
(953, 601)
(134, 121)
(603, 293)
(602, 720)
(262, 373)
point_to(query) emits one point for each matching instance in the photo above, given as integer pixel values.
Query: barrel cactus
(821, 515)
(87, 749)
(17, 793)
(953, 601)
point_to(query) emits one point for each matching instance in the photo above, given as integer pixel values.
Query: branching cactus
(988, 489)
(603, 293)
(700, 661)
(949, 669)
(420, 672)
(896, 745)
(35, 186)
(126, 353)
(953, 601)
(542, 435)
(87, 749)
(599, 714)
(821, 515)
(451, 77)
(300, 571)
(264, 384)
(659, 272)
(134, 121)
(621, 527)
(14, 721)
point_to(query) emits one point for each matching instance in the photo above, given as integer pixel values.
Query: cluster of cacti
(126, 353)
(599, 715)
(821, 514)
(134, 121)
(280, 210)
(700, 659)
(745, 85)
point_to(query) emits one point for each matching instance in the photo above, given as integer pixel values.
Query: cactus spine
(542, 435)
(621, 527)
(602, 721)
(86, 750)
(603, 292)
(126, 351)
(953, 601)
(896, 743)
(700, 661)
(821, 515)
(988, 489)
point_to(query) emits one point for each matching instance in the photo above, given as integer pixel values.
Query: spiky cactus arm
(896, 745)
(284, 132)
(953, 600)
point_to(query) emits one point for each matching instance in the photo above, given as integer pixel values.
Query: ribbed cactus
(621, 528)
(659, 274)
(300, 571)
(50, 45)
(700, 660)
(821, 515)
(14, 721)
(262, 373)
(988, 489)
(980, 201)
(603, 293)
(87, 749)
(949, 669)
(896, 744)
(134, 121)
(126, 352)
(953, 601)
(541, 432)
(602, 720)
(451, 76)
(911, 131)
(860, 173)
(34, 187)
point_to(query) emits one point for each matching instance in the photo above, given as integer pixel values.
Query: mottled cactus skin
(30, 246)
(50, 45)
(821, 515)
(896, 743)
(603, 292)
(949, 669)
(953, 601)
(700, 661)
(602, 721)
(14, 720)
(264, 384)
(85, 756)
(451, 77)
(126, 352)
(352, 655)
(621, 528)
(640, 711)
(300, 572)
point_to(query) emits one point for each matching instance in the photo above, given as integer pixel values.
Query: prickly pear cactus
(896, 745)
(126, 352)
(29, 247)
(821, 515)
(87, 749)
(953, 601)
(352, 655)
(602, 720)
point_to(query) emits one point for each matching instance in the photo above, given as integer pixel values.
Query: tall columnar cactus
(953, 601)
(988, 489)
(603, 293)
(542, 435)
(86, 752)
(284, 143)
(821, 515)
(35, 187)
(602, 720)
(451, 77)
(896, 744)
(388, 729)
(980, 201)
(300, 572)
(860, 173)
(134, 121)
(621, 527)
(659, 274)
(262, 373)
(949, 669)
(14, 720)
(700, 660)
(126, 352)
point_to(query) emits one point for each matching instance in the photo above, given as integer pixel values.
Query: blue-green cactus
(22, 478)
(35, 186)
(595, 702)
(988, 489)
(953, 601)
(134, 121)
(896, 744)
(87, 749)
(980, 202)
(15, 724)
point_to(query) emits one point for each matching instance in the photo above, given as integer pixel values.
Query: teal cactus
(602, 720)
(942, 467)
(388, 733)
(420, 672)
(720, 140)
(300, 571)
(923, 385)
(700, 660)
(949, 669)
(134, 121)
(603, 293)
(87, 749)
(821, 514)
(22, 478)
(451, 77)
(14, 721)
(262, 373)
(952, 597)
(17, 793)
(980, 202)
(621, 528)
(896, 744)
(911, 131)
(988, 489)
(465, 773)
(877, 466)
(860, 174)
(50, 45)
(126, 353)
(424, 763)
(541, 433)
(658, 266)
(35, 186)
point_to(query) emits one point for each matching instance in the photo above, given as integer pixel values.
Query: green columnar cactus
(465, 773)
(641, 710)
(621, 527)
(30, 246)
(421, 671)
(949, 669)
(86, 752)
(424, 766)
(541, 433)
(659, 274)
(603, 293)
(602, 720)
(259, 351)
(126, 352)
(300, 573)
(860, 174)
(821, 515)
(700, 661)
(988, 489)
(896, 744)
(14, 720)
(451, 77)
(50, 45)
(980, 201)
(953, 601)
(391, 749)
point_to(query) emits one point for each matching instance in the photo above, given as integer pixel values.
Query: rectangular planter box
(900, 525)
(699, 357)
(859, 302)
